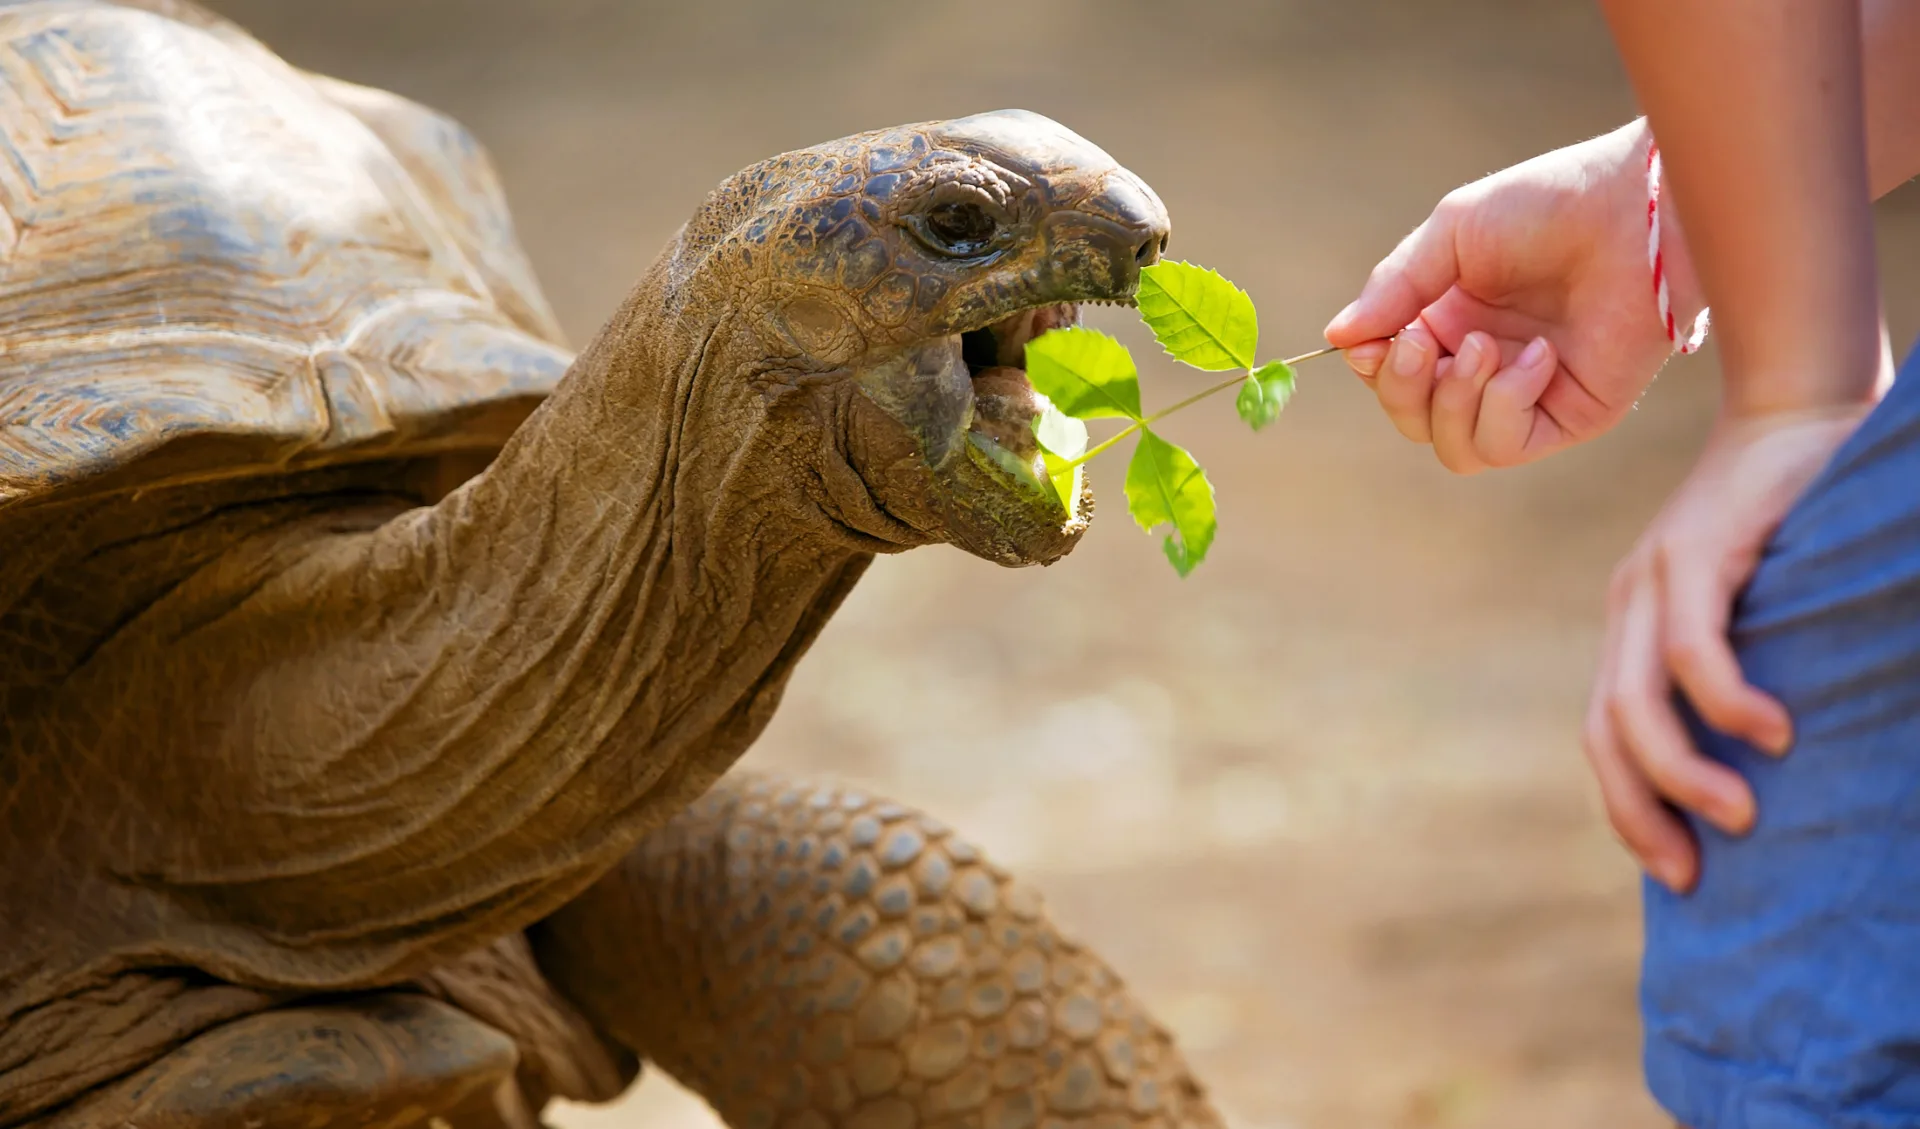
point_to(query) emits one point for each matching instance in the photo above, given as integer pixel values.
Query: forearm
(1758, 108)
(1892, 38)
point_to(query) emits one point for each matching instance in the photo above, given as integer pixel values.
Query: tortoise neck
(629, 587)
(365, 737)
(646, 536)
(413, 731)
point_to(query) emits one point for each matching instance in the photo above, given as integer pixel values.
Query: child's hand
(1547, 261)
(1667, 615)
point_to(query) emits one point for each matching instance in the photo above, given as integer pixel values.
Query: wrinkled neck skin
(361, 742)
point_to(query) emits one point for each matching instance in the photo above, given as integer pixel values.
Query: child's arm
(1758, 107)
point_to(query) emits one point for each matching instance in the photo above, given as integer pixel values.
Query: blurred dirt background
(1322, 803)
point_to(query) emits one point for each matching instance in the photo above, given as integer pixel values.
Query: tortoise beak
(1099, 245)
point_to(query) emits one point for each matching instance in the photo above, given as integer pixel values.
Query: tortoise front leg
(805, 956)
(374, 1062)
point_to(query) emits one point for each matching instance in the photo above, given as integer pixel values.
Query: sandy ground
(1322, 803)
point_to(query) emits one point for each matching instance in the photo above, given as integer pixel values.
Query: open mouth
(1005, 404)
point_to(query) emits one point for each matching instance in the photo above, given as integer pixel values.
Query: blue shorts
(1785, 992)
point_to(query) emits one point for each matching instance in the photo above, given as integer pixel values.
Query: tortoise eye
(960, 228)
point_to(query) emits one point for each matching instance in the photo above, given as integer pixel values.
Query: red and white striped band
(1698, 336)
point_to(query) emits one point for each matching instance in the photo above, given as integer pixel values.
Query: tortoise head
(885, 287)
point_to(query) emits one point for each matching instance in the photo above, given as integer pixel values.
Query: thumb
(1421, 269)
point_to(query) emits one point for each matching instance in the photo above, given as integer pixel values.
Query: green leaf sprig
(1201, 320)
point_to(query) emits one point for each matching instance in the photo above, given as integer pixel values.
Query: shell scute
(214, 264)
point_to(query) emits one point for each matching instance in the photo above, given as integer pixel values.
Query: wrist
(1844, 375)
(1685, 295)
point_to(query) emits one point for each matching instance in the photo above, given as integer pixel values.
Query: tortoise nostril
(1149, 252)
(1163, 243)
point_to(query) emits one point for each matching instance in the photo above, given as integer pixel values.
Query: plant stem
(1315, 355)
(1103, 445)
(1186, 403)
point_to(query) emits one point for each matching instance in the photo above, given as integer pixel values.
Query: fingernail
(1672, 875)
(1365, 359)
(1411, 355)
(1535, 352)
(1466, 363)
(1778, 741)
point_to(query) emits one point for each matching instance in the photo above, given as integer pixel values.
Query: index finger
(1642, 713)
(1700, 657)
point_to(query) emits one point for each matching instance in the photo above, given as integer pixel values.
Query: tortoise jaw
(1005, 403)
(975, 477)
(1002, 505)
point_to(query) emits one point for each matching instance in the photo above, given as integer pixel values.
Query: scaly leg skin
(372, 1062)
(806, 956)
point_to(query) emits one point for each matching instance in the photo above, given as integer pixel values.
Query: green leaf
(1059, 432)
(1086, 374)
(1066, 477)
(1199, 317)
(1266, 391)
(1166, 487)
(1062, 439)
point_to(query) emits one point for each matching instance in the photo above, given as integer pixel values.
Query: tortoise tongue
(1004, 403)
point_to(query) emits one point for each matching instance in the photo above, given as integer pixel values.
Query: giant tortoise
(370, 663)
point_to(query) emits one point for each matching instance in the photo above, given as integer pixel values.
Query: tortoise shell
(213, 264)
